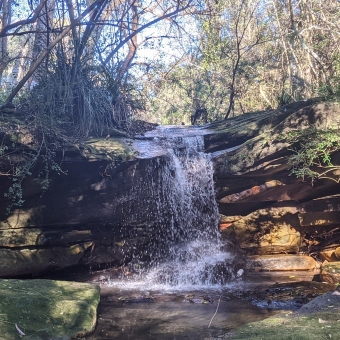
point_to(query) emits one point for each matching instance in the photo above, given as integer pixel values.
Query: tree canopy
(87, 65)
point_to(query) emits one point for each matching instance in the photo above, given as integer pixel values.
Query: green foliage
(313, 148)
(330, 91)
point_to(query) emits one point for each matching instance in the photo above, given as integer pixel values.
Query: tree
(94, 43)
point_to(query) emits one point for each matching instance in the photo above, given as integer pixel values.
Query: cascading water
(179, 189)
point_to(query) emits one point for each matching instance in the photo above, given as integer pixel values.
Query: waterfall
(181, 206)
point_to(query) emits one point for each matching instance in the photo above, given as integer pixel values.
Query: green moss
(284, 327)
(45, 309)
(110, 149)
(319, 319)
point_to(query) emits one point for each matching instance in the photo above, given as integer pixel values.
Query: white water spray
(181, 200)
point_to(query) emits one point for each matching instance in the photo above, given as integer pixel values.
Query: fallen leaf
(19, 330)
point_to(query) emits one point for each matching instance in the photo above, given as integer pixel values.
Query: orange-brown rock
(229, 219)
(328, 255)
(224, 226)
(226, 221)
(250, 192)
(280, 262)
(267, 231)
(337, 253)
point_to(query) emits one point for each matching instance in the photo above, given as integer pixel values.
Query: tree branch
(140, 29)
(45, 52)
(4, 33)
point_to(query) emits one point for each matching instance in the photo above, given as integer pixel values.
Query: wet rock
(330, 272)
(288, 296)
(47, 309)
(266, 231)
(136, 299)
(280, 262)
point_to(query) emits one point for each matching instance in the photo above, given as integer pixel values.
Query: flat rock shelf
(47, 309)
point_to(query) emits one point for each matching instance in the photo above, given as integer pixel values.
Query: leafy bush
(313, 149)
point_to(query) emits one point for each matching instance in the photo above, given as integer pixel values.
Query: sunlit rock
(46, 309)
(328, 255)
(280, 262)
(266, 231)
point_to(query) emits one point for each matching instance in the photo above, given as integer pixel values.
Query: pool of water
(126, 314)
(137, 310)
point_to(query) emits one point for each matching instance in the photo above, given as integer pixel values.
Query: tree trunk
(5, 19)
(42, 37)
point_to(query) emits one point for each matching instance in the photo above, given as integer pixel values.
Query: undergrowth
(312, 153)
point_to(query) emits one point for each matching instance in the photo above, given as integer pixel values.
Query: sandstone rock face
(337, 253)
(95, 213)
(328, 255)
(27, 261)
(266, 231)
(253, 177)
(88, 216)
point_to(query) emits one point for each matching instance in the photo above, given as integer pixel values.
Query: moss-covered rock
(314, 321)
(46, 309)
(111, 149)
(330, 272)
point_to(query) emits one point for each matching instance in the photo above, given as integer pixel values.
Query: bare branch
(140, 29)
(45, 52)
(19, 23)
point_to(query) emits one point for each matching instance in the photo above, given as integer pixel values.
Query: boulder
(229, 219)
(266, 231)
(280, 262)
(47, 309)
(330, 272)
(226, 221)
(328, 255)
